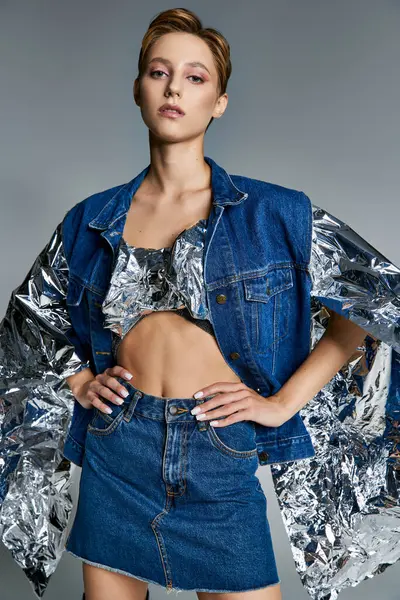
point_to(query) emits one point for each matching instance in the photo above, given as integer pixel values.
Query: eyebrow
(194, 63)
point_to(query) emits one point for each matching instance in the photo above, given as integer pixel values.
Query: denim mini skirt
(171, 500)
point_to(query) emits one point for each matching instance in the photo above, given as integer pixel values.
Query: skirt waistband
(159, 407)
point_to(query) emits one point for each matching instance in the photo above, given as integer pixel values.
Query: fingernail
(198, 395)
(108, 410)
(128, 376)
(196, 410)
(125, 393)
(203, 416)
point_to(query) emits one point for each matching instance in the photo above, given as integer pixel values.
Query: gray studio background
(313, 105)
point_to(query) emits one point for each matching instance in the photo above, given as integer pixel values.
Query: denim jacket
(274, 266)
(256, 275)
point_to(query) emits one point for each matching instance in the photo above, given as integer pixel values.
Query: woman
(148, 481)
(168, 495)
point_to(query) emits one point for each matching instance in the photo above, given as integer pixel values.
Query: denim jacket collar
(224, 192)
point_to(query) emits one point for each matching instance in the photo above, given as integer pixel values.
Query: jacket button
(234, 355)
(221, 298)
(263, 455)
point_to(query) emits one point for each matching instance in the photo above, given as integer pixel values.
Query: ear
(136, 91)
(220, 106)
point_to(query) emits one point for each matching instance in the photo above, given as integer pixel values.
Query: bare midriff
(172, 357)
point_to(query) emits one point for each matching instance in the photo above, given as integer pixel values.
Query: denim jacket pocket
(268, 297)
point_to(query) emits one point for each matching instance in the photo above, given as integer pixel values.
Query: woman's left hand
(237, 402)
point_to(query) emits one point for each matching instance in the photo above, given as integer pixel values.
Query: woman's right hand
(104, 385)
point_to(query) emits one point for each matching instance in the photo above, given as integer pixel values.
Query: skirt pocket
(237, 439)
(103, 424)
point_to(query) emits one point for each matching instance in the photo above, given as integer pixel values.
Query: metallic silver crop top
(145, 280)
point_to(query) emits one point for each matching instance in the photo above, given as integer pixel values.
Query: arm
(350, 275)
(359, 287)
(339, 342)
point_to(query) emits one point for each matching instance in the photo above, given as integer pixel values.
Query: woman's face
(168, 77)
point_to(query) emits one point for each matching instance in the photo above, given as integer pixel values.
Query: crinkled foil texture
(36, 406)
(146, 280)
(340, 508)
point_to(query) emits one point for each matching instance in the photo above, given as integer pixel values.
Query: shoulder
(273, 195)
(91, 205)
(75, 221)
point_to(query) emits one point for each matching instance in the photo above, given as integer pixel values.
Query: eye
(157, 71)
(197, 77)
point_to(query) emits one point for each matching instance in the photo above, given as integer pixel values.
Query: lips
(170, 114)
(173, 108)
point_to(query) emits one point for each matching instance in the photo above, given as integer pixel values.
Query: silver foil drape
(340, 508)
(36, 406)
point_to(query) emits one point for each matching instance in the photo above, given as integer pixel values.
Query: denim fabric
(256, 274)
(157, 482)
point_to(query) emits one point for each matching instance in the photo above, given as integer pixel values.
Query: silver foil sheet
(340, 508)
(36, 406)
